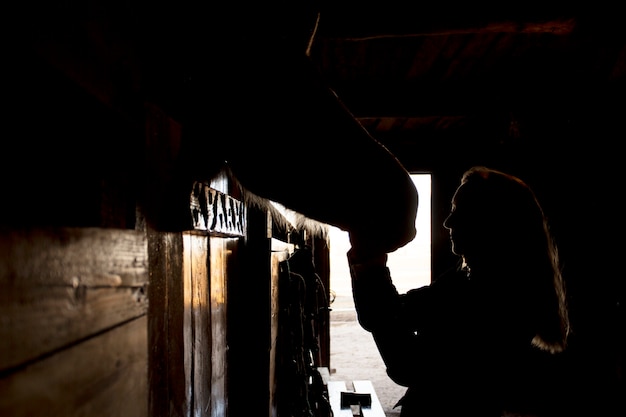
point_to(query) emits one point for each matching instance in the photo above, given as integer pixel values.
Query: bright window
(410, 265)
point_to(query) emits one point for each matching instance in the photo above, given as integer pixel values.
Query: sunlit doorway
(353, 354)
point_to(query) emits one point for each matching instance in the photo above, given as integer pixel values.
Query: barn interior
(146, 141)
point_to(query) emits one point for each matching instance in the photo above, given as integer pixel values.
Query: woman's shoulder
(443, 289)
(454, 276)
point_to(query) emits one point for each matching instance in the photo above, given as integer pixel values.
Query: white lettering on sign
(214, 211)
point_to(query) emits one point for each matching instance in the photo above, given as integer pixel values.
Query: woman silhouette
(475, 341)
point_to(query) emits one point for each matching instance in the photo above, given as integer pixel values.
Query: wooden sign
(216, 212)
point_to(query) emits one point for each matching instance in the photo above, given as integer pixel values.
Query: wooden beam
(64, 286)
(560, 26)
(105, 376)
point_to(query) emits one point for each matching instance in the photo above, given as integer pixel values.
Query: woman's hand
(364, 251)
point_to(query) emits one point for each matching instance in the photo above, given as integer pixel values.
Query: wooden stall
(109, 322)
(129, 286)
(144, 143)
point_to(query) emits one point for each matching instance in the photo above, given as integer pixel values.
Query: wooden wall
(127, 287)
(74, 322)
(110, 322)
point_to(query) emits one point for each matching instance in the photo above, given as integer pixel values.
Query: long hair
(512, 210)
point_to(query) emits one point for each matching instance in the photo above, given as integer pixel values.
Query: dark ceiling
(438, 75)
(426, 79)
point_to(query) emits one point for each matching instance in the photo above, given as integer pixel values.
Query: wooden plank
(334, 396)
(165, 329)
(280, 253)
(105, 376)
(324, 373)
(197, 325)
(364, 386)
(206, 262)
(220, 252)
(249, 301)
(360, 386)
(64, 285)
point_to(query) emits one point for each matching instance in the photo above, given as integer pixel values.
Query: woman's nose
(446, 222)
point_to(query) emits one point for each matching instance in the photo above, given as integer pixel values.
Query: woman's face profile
(454, 223)
(466, 223)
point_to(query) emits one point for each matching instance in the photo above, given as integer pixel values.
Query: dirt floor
(353, 356)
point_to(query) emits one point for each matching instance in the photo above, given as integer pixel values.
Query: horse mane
(282, 217)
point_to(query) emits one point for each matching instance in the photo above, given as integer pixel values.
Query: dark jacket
(460, 349)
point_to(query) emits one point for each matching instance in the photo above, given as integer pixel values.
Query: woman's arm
(393, 319)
